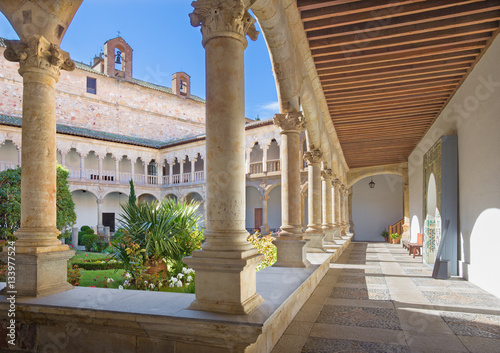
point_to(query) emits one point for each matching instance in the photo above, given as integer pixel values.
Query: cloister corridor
(376, 298)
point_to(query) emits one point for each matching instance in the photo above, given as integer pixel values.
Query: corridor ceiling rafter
(388, 68)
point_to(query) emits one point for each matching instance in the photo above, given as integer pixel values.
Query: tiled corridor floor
(376, 298)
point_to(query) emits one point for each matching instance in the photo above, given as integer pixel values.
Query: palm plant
(159, 228)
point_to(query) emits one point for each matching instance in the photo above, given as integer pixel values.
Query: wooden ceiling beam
(383, 105)
(384, 113)
(390, 95)
(369, 27)
(389, 81)
(402, 87)
(352, 8)
(409, 49)
(393, 64)
(399, 71)
(383, 15)
(393, 39)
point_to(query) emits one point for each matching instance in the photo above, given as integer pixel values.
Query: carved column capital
(326, 174)
(223, 18)
(290, 122)
(313, 157)
(37, 53)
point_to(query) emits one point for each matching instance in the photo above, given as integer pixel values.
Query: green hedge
(92, 266)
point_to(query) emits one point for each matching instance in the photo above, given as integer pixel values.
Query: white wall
(8, 152)
(474, 115)
(274, 208)
(85, 208)
(253, 201)
(111, 204)
(373, 210)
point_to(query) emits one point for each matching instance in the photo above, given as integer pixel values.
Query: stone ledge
(137, 321)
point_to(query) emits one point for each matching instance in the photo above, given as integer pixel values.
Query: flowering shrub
(185, 279)
(74, 275)
(264, 244)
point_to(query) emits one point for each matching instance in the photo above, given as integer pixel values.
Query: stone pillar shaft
(314, 200)
(41, 259)
(264, 229)
(225, 267)
(326, 188)
(82, 167)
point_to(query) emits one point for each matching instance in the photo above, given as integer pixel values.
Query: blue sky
(164, 42)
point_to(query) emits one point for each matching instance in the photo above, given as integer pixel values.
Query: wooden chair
(415, 249)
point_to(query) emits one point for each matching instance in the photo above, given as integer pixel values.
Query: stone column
(302, 209)
(337, 223)
(264, 229)
(63, 159)
(132, 169)
(342, 210)
(225, 266)
(314, 231)
(146, 179)
(264, 159)
(170, 171)
(99, 161)
(160, 172)
(40, 257)
(181, 171)
(349, 212)
(290, 245)
(100, 227)
(82, 167)
(326, 208)
(117, 170)
(406, 206)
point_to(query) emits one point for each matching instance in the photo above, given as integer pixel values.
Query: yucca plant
(159, 228)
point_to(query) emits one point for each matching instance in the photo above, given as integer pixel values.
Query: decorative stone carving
(290, 122)
(313, 157)
(38, 52)
(326, 174)
(223, 18)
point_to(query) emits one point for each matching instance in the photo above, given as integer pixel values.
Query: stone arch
(85, 207)
(171, 196)
(356, 174)
(147, 197)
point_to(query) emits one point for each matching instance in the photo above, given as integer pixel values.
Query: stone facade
(117, 106)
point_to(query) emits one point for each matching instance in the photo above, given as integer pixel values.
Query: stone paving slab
(376, 298)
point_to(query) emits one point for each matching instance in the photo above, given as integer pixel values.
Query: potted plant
(395, 238)
(385, 234)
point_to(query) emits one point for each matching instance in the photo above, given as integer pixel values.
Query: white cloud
(273, 107)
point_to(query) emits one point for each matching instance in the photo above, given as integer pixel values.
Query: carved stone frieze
(314, 156)
(290, 122)
(38, 53)
(326, 174)
(223, 18)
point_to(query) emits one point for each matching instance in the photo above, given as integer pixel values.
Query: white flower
(189, 278)
(145, 282)
(180, 275)
(171, 285)
(178, 284)
(109, 280)
(187, 284)
(126, 283)
(151, 285)
(128, 275)
(160, 284)
(120, 287)
(184, 270)
(173, 280)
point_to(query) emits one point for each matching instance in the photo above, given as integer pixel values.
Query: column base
(329, 235)
(316, 243)
(225, 283)
(406, 232)
(337, 233)
(39, 274)
(291, 253)
(264, 229)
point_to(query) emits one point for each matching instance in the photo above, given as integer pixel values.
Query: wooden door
(108, 220)
(258, 218)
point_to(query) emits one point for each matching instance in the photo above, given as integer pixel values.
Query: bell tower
(118, 58)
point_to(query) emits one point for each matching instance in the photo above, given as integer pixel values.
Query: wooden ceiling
(388, 67)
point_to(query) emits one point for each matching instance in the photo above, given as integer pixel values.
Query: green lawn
(81, 256)
(96, 278)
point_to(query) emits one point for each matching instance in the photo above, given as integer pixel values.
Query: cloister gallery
(402, 93)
